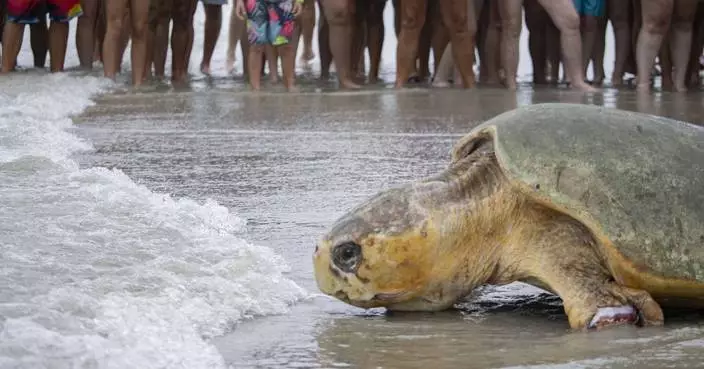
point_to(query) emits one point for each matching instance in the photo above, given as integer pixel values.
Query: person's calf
(288, 59)
(39, 40)
(213, 23)
(58, 38)
(11, 44)
(256, 62)
(308, 26)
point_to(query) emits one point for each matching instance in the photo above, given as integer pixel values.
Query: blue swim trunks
(594, 8)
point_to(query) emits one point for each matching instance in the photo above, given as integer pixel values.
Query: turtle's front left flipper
(563, 256)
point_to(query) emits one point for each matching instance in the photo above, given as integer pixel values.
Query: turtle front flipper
(562, 255)
(641, 309)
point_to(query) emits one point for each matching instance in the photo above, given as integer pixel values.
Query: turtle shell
(636, 180)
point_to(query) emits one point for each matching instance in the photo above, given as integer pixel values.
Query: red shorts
(25, 11)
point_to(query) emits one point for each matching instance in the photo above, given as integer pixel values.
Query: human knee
(114, 26)
(139, 30)
(338, 14)
(569, 22)
(510, 29)
(115, 18)
(182, 22)
(658, 25)
(413, 22)
(457, 23)
(511, 26)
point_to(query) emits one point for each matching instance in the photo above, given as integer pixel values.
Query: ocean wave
(100, 272)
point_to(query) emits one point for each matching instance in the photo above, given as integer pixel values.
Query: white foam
(99, 272)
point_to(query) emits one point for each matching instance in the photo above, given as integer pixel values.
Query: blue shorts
(594, 8)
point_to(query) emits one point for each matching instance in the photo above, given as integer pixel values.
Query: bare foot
(490, 81)
(680, 88)
(540, 80)
(510, 85)
(293, 88)
(230, 65)
(458, 82)
(308, 55)
(414, 78)
(598, 80)
(179, 82)
(584, 87)
(346, 83)
(643, 87)
(205, 69)
(441, 84)
(616, 81)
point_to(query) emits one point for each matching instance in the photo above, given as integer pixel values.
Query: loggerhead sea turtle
(603, 207)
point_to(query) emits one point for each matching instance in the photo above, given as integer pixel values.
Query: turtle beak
(325, 276)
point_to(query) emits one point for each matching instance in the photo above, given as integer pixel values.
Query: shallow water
(101, 269)
(292, 168)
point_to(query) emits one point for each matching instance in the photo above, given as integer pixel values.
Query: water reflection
(529, 330)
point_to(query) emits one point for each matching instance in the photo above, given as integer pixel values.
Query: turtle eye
(347, 256)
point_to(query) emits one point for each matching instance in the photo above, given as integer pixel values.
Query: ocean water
(100, 272)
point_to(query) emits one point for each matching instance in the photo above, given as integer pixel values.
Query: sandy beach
(174, 228)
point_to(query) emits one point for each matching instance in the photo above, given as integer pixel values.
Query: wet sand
(292, 163)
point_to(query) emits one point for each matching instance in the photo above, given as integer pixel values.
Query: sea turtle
(602, 207)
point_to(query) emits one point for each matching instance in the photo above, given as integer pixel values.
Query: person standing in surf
(139, 17)
(23, 12)
(270, 22)
(213, 23)
(38, 34)
(85, 33)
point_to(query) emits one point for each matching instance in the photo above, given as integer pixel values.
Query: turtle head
(391, 251)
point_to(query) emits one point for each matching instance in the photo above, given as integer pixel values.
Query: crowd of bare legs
(652, 37)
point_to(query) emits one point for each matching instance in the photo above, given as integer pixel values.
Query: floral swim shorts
(270, 22)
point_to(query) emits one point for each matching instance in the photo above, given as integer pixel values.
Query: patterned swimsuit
(270, 22)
